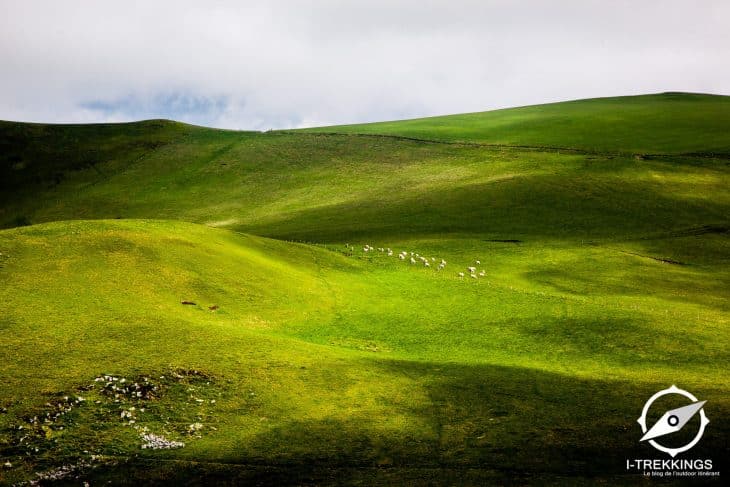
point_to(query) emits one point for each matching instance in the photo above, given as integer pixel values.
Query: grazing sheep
(413, 261)
(472, 270)
(426, 264)
(482, 274)
(441, 266)
(479, 262)
(443, 262)
(461, 274)
(474, 276)
(401, 256)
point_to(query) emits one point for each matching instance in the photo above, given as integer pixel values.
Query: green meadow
(602, 231)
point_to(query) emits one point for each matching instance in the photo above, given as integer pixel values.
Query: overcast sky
(269, 64)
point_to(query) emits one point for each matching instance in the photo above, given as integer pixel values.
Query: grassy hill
(303, 360)
(338, 187)
(666, 123)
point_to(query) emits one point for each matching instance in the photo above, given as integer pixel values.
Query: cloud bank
(282, 64)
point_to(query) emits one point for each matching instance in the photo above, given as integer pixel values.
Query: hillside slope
(339, 187)
(654, 124)
(327, 365)
(159, 259)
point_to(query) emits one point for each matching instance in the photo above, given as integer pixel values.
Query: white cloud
(294, 63)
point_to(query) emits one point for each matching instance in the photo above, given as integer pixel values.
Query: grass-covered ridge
(606, 277)
(666, 123)
(335, 188)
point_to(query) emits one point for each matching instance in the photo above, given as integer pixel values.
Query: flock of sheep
(414, 258)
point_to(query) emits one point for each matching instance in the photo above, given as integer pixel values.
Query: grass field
(602, 227)
(665, 123)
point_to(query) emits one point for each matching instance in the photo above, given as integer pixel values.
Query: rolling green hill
(299, 358)
(666, 123)
(337, 187)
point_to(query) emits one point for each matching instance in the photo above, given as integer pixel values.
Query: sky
(285, 64)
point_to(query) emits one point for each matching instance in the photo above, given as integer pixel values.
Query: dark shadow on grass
(483, 425)
(706, 289)
(528, 207)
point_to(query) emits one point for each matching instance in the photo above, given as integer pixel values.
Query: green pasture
(306, 360)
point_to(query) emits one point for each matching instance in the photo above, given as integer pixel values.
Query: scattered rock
(214, 307)
(59, 473)
(111, 400)
(157, 442)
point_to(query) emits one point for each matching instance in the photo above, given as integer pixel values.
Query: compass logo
(673, 421)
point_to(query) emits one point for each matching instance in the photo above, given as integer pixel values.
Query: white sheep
(478, 262)
(426, 264)
(474, 276)
(461, 274)
(472, 270)
(401, 256)
(413, 261)
(482, 274)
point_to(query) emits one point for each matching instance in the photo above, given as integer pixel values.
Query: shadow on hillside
(483, 424)
(705, 287)
(531, 207)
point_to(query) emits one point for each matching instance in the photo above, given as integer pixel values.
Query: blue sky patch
(184, 107)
